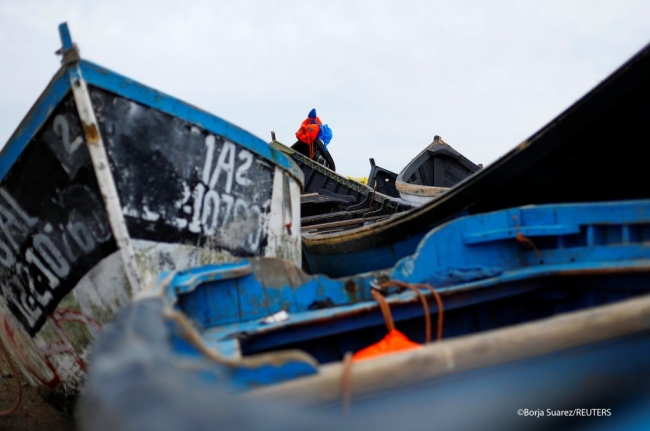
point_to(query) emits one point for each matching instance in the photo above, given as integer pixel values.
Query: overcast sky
(385, 75)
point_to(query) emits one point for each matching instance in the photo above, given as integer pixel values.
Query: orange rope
(438, 299)
(346, 392)
(527, 241)
(427, 315)
(385, 309)
(423, 300)
(521, 239)
(16, 377)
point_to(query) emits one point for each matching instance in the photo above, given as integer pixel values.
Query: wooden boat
(432, 172)
(105, 183)
(329, 197)
(382, 180)
(589, 153)
(536, 300)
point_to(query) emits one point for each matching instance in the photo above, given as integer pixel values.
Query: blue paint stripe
(132, 90)
(31, 124)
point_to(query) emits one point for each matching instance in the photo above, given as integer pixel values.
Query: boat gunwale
(302, 159)
(100, 77)
(108, 80)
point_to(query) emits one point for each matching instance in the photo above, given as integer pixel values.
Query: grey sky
(385, 75)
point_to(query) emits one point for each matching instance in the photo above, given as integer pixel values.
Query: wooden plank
(343, 223)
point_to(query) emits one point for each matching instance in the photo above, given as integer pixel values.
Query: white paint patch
(283, 220)
(421, 194)
(280, 316)
(102, 291)
(152, 258)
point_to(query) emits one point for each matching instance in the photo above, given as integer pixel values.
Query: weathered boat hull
(432, 172)
(105, 183)
(344, 193)
(554, 293)
(591, 152)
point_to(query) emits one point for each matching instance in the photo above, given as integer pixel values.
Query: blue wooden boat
(541, 307)
(589, 153)
(105, 183)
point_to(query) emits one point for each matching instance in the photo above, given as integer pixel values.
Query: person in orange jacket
(313, 137)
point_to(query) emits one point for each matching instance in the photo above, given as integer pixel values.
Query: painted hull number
(215, 205)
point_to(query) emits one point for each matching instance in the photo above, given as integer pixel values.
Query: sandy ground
(33, 413)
